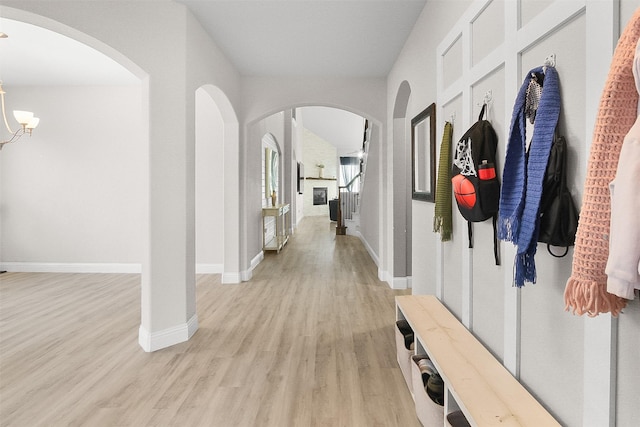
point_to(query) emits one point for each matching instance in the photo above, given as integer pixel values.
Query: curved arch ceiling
(340, 128)
(32, 55)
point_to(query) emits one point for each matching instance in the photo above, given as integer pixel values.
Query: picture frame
(320, 195)
(300, 181)
(423, 155)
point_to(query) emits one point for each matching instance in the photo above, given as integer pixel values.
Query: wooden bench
(475, 381)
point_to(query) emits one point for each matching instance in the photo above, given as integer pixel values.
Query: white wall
(164, 33)
(72, 193)
(318, 151)
(255, 197)
(298, 155)
(456, 53)
(370, 198)
(210, 202)
(627, 339)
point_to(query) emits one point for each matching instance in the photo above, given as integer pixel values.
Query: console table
(283, 225)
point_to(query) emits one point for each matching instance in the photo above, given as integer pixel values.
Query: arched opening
(309, 136)
(73, 195)
(217, 185)
(401, 258)
(210, 201)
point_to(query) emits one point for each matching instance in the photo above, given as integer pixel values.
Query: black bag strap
(566, 251)
(563, 172)
(482, 111)
(496, 247)
(562, 188)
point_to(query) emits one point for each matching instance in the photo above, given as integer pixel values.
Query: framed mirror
(423, 155)
(270, 172)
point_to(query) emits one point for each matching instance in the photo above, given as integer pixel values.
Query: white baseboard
(246, 275)
(209, 268)
(228, 278)
(395, 282)
(401, 282)
(372, 254)
(56, 267)
(382, 275)
(152, 341)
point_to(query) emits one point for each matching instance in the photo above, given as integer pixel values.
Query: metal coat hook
(488, 97)
(549, 61)
(453, 117)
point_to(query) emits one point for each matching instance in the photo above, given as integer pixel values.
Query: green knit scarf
(442, 220)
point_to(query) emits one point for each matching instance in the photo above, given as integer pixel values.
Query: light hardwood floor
(309, 341)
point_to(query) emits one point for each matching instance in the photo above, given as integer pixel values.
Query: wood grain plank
(307, 342)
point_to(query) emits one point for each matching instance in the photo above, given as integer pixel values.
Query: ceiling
(341, 128)
(33, 56)
(302, 38)
(342, 38)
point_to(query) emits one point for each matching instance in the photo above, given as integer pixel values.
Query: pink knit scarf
(586, 290)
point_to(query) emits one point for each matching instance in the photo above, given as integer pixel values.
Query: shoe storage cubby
(429, 412)
(477, 389)
(404, 348)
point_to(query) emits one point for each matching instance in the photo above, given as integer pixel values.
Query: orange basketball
(463, 191)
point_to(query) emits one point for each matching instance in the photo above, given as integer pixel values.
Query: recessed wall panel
(488, 290)
(628, 376)
(551, 338)
(530, 9)
(570, 54)
(452, 63)
(453, 250)
(487, 31)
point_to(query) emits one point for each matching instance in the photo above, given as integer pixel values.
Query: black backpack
(558, 215)
(473, 175)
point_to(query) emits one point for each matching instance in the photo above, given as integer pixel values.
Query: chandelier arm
(4, 114)
(14, 137)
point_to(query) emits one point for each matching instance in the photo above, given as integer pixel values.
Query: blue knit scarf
(524, 173)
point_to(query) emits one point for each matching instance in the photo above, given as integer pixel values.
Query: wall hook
(486, 99)
(549, 61)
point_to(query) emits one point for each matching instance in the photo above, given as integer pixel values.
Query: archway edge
(402, 100)
(400, 235)
(222, 101)
(279, 109)
(74, 34)
(231, 265)
(263, 96)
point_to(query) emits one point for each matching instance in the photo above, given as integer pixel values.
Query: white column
(168, 279)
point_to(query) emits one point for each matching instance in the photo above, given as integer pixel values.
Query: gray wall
(78, 179)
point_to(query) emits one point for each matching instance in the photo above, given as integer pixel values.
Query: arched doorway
(401, 190)
(289, 128)
(217, 185)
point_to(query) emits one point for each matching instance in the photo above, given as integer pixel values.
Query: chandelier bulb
(23, 117)
(33, 123)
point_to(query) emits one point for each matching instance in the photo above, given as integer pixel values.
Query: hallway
(307, 342)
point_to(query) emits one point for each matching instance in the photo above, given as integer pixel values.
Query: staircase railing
(347, 204)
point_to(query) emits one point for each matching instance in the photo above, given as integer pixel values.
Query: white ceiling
(32, 56)
(341, 128)
(360, 38)
(304, 38)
